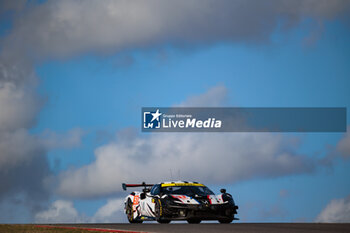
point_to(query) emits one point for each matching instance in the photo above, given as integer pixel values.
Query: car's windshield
(187, 190)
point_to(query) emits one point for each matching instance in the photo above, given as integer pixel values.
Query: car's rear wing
(136, 185)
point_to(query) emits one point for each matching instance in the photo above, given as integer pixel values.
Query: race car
(179, 200)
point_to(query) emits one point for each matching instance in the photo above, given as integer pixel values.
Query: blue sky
(96, 93)
(102, 93)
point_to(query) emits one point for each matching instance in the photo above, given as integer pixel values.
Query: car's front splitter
(201, 211)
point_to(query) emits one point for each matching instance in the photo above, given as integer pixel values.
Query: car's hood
(209, 199)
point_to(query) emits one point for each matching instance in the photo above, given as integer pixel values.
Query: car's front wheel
(159, 213)
(130, 213)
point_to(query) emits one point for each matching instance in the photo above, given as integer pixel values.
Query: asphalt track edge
(91, 229)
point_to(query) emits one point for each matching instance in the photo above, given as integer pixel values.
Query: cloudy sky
(75, 74)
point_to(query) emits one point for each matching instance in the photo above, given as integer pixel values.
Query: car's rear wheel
(130, 213)
(225, 221)
(194, 221)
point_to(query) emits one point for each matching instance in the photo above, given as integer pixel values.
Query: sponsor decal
(180, 184)
(136, 202)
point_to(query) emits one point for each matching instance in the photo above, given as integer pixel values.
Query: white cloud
(112, 211)
(18, 100)
(215, 96)
(18, 147)
(24, 167)
(63, 211)
(60, 211)
(206, 157)
(53, 140)
(343, 146)
(63, 28)
(12, 5)
(210, 158)
(337, 211)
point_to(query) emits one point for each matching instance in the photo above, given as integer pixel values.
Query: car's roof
(180, 183)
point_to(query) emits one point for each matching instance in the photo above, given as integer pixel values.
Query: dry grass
(14, 228)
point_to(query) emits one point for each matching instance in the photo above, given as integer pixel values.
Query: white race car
(180, 200)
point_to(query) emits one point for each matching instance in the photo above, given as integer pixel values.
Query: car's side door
(148, 202)
(147, 206)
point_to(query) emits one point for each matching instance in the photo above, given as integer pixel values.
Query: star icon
(156, 115)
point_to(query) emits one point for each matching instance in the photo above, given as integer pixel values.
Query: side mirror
(142, 196)
(223, 190)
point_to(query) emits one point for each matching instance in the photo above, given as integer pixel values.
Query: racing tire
(159, 212)
(130, 213)
(225, 221)
(194, 221)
